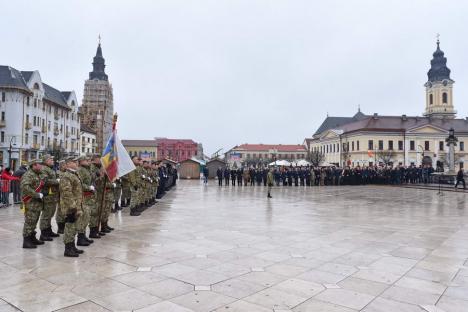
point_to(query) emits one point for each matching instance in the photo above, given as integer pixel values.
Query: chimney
(376, 116)
(403, 117)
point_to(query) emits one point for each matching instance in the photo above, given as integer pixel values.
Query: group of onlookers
(330, 175)
(9, 183)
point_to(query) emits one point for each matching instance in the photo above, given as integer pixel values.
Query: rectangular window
(42, 140)
(380, 145)
(352, 146)
(426, 145)
(27, 118)
(26, 138)
(411, 145)
(34, 139)
(370, 145)
(390, 145)
(462, 146)
(357, 145)
(400, 145)
(3, 116)
(3, 97)
(2, 137)
(441, 145)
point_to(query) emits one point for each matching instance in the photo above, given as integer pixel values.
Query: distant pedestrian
(460, 178)
(270, 181)
(205, 175)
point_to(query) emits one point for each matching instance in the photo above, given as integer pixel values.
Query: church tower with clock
(439, 98)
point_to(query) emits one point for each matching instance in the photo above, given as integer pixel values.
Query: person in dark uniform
(460, 178)
(290, 176)
(295, 175)
(239, 176)
(259, 176)
(302, 176)
(307, 176)
(219, 174)
(227, 172)
(284, 176)
(277, 176)
(265, 176)
(252, 176)
(233, 176)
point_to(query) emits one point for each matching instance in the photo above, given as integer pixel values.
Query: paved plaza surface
(338, 249)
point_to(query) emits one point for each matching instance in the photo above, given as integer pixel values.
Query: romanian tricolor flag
(115, 159)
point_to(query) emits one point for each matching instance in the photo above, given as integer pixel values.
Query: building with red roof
(178, 149)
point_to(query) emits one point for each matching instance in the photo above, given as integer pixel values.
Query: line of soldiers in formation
(80, 195)
(311, 175)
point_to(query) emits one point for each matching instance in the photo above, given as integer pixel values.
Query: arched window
(444, 98)
(36, 86)
(431, 99)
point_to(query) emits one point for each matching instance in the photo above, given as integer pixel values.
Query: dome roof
(439, 70)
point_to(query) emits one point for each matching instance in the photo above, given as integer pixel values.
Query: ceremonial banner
(115, 159)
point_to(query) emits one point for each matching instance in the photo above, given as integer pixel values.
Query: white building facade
(35, 118)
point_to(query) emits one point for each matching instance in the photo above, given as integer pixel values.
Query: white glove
(40, 195)
(58, 180)
(114, 185)
(91, 188)
(143, 176)
(151, 180)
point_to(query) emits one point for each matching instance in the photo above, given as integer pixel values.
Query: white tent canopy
(280, 163)
(302, 163)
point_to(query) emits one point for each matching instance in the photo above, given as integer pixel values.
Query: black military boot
(117, 206)
(35, 240)
(134, 212)
(45, 236)
(51, 233)
(94, 233)
(81, 241)
(108, 227)
(269, 196)
(104, 228)
(70, 251)
(27, 242)
(78, 251)
(128, 202)
(61, 227)
(90, 241)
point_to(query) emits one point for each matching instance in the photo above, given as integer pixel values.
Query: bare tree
(315, 157)
(385, 156)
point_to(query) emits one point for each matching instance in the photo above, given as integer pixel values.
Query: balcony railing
(2, 123)
(43, 129)
(27, 125)
(35, 146)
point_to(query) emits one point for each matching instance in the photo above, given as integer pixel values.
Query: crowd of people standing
(330, 175)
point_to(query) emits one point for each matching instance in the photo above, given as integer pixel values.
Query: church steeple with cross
(439, 85)
(99, 64)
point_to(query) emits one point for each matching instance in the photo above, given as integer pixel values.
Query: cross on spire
(438, 38)
(99, 38)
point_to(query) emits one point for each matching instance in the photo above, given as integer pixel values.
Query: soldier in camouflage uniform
(156, 180)
(50, 192)
(89, 200)
(59, 217)
(71, 201)
(126, 193)
(96, 176)
(134, 183)
(146, 181)
(31, 189)
(117, 193)
(108, 188)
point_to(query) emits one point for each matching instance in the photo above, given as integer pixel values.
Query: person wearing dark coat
(227, 172)
(252, 176)
(295, 175)
(15, 186)
(239, 176)
(460, 178)
(265, 176)
(233, 176)
(219, 174)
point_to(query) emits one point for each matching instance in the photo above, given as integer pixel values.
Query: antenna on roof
(327, 114)
(359, 108)
(99, 38)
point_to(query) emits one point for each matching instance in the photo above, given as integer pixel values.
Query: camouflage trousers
(117, 193)
(69, 233)
(106, 210)
(59, 217)
(50, 205)
(83, 220)
(31, 217)
(126, 193)
(134, 201)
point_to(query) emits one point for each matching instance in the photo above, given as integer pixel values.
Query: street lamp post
(9, 153)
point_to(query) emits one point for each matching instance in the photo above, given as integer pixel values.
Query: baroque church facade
(366, 140)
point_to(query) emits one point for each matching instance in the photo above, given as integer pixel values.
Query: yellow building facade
(363, 140)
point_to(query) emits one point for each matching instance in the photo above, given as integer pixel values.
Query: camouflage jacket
(134, 178)
(71, 192)
(86, 178)
(30, 181)
(51, 187)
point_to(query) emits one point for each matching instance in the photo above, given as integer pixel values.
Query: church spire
(98, 65)
(439, 70)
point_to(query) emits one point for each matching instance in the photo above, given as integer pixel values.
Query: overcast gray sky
(227, 72)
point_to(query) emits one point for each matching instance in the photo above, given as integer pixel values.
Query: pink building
(175, 149)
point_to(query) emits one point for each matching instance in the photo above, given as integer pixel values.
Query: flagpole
(114, 123)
